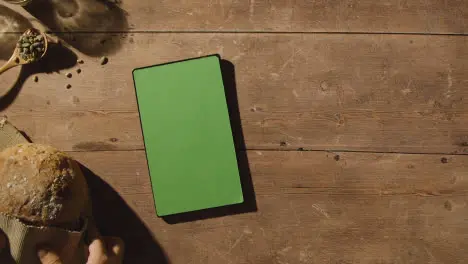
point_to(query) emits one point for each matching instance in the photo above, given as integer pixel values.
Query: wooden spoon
(19, 2)
(16, 59)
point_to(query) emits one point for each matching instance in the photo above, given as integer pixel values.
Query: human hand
(103, 250)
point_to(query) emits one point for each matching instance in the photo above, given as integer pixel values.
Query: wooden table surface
(354, 120)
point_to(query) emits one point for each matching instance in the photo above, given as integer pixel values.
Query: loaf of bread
(42, 186)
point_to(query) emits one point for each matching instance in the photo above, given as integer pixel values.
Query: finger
(115, 245)
(48, 257)
(97, 252)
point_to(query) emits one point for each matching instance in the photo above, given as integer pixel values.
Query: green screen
(187, 134)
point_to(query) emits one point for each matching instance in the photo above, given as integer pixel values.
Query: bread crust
(42, 186)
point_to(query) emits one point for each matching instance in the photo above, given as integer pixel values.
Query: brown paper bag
(24, 239)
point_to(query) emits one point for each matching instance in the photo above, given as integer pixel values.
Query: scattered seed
(444, 160)
(36, 79)
(80, 61)
(337, 157)
(104, 60)
(448, 205)
(78, 71)
(69, 75)
(69, 86)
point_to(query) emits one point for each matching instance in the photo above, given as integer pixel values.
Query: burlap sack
(23, 239)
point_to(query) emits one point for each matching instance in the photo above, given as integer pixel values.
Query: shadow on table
(5, 256)
(57, 58)
(87, 16)
(113, 217)
(250, 203)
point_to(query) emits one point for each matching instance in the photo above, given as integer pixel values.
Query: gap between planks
(253, 32)
(294, 150)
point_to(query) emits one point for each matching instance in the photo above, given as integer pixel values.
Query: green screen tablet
(187, 133)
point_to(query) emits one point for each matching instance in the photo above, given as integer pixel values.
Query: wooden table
(354, 116)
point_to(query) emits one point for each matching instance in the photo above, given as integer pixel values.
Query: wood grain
(82, 130)
(377, 92)
(431, 16)
(315, 207)
(388, 93)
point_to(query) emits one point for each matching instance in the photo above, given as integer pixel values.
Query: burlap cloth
(23, 239)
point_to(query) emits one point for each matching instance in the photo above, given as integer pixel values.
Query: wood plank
(431, 16)
(388, 93)
(82, 130)
(313, 207)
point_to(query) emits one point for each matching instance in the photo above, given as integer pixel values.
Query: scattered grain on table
(104, 60)
(78, 71)
(69, 75)
(36, 79)
(80, 61)
(69, 86)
